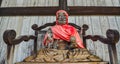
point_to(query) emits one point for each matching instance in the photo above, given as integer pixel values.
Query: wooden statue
(69, 46)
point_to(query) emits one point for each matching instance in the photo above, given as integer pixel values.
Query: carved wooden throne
(112, 37)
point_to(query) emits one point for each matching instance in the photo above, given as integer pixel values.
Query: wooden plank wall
(22, 24)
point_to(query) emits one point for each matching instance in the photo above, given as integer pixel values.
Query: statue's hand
(72, 39)
(73, 42)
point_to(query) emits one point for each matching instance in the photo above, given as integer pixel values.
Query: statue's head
(61, 17)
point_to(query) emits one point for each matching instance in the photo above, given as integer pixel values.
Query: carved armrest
(112, 37)
(9, 37)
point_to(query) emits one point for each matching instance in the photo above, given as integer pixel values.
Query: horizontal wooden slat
(73, 10)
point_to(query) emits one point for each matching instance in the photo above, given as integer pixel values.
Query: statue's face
(61, 18)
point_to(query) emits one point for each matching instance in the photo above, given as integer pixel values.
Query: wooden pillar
(35, 44)
(0, 2)
(63, 5)
(10, 54)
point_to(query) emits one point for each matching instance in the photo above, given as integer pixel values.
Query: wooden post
(10, 54)
(35, 44)
(34, 26)
(10, 39)
(84, 28)
(0, 2)
(113, 38)
(112, 54)
(63, 5)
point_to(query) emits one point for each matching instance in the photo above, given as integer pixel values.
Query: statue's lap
(55, 56)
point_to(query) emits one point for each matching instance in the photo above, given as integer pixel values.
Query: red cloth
(65, 31)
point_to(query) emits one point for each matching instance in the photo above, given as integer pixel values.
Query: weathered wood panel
(22, 24)
(104, 26)
(4, 24)
(28, 3)
(93, 2)
(96, 29)
(90, 44)
(118, 44)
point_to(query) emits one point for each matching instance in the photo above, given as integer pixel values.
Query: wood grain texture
(3, 47)
(30, 3)
(23, 24)
(118, 51)
(104, 26)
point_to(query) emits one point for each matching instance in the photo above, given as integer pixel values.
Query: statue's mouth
(62, 19)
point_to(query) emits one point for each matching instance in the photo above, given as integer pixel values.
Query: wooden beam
(73, 10)
(94, 10)
(27, 11)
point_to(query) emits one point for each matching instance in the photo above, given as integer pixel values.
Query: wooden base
(64, 63)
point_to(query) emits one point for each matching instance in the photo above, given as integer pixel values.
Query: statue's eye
(64, 14)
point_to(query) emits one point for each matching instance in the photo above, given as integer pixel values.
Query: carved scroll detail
(85, 27)
(112, 37)
(9, 37)
(35, 26)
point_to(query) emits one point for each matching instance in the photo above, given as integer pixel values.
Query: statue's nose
(60, 17)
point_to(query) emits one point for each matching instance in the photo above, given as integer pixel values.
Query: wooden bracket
(10, 39)
(112, 38)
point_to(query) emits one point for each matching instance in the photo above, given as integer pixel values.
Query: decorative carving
(9, 37)
(35, 26)
(112, 37)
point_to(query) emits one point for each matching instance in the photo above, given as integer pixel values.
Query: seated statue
(62, 44)
(63, 31)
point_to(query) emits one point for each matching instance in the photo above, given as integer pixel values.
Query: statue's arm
(50, 34)
(49, 38)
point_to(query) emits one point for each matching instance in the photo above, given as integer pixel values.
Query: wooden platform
(64, 63)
